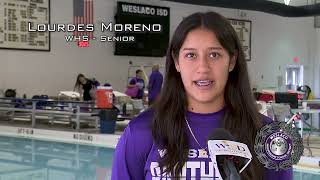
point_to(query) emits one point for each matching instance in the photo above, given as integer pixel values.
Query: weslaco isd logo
(278, 145)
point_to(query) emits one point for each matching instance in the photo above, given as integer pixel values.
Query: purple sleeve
(278, 175)
(126, 163)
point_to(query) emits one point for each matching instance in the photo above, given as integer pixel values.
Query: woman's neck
(205, 108)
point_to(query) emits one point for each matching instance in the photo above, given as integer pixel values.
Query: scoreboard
(14, 18)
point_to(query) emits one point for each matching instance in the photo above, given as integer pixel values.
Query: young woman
(206, 86)
(84, 86)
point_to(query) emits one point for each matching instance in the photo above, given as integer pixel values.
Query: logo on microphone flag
(278, 145)
(229, 148)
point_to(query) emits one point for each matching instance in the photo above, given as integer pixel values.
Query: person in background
(139, 83)
(95, 82)
(85, 87)
(307, 90)
(206, 87)
(155, 84)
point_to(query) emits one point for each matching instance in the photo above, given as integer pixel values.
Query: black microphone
(229, 156)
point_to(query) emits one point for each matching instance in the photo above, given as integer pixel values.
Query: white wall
(275, 41)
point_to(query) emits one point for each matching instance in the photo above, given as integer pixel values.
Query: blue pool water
(306, 175)
(29, 159)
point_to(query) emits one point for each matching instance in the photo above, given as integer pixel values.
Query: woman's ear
(176, 62)
(177, 66)
(233, 61)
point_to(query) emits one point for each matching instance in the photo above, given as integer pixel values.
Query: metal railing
(72, 111)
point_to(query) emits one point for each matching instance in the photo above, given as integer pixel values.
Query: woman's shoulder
(89, 81)
(141, 125)
(139, 135)
(265, 119)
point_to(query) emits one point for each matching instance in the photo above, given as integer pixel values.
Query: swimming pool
(300, 174)
(24, 159)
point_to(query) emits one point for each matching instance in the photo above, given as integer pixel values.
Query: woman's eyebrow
(211, 48)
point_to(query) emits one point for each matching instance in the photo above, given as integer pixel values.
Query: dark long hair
(241, 115)
(77, 85)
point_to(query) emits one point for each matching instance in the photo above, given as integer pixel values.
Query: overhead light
(286, 2)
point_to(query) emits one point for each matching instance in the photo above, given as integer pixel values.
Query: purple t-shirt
(140, 83)
(155, 84)
(136, 156)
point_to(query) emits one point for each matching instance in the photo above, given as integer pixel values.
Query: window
(294, 77)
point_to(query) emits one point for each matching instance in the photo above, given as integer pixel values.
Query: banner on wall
(243, 29)
(15, 18)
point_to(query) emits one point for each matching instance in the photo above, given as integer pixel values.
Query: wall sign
(243, 29)
(15, 16)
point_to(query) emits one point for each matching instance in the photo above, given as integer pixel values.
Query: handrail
(48, 100)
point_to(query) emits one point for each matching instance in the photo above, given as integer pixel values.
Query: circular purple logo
(278, 146)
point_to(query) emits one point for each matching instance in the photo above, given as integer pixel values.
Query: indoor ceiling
(296, 8)
(296, 2)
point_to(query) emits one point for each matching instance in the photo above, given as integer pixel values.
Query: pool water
(306, 175)
(29, 159)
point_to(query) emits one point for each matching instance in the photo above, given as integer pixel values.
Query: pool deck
(103, 140)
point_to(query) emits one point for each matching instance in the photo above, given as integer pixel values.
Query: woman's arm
(126, 163)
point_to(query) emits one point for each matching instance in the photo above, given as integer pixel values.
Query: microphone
(278, 145)
(229, 156)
